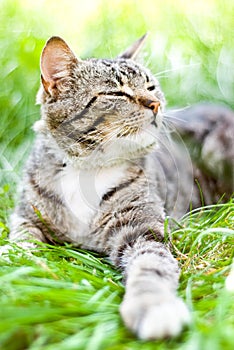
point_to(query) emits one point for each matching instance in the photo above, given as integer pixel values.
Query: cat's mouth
(144, 132)
(148, 122)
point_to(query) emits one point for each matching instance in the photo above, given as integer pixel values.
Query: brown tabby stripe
(117, 93)
(152, 270)
(123, 185)
(83, 113)
(130, 238)
(93, 126)
(44, 192)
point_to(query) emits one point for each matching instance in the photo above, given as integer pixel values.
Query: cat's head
(99, 110)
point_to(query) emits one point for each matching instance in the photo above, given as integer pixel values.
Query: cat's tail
(208, 132)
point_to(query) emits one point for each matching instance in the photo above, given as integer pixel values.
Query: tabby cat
(103, 177)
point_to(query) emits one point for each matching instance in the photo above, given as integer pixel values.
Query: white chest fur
(83, 190)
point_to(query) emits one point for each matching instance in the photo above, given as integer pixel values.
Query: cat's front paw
(151, 319)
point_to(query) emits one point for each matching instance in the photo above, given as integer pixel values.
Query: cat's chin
(122, 150)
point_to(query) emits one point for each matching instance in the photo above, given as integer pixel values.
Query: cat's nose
(154, 106)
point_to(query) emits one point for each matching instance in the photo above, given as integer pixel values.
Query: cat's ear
(133, 50)
(56, 61)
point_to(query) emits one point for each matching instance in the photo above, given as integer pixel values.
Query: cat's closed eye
(151, 88)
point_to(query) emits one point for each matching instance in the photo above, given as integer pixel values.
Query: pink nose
(154, 106)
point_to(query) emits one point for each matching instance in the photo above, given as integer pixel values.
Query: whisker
(173, 118)
(171, 70)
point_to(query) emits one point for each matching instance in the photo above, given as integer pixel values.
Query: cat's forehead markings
(127, 90)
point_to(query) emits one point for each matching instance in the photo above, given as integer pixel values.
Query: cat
(103, 177)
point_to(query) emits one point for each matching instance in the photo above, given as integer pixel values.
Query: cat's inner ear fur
(56, 62)
(133, 50)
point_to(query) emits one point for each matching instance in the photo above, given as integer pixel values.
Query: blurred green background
(190, 48)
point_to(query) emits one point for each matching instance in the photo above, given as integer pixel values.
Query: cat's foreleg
(24, 234)
(24, 230)
(150, 307)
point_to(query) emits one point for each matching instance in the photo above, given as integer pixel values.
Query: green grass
(62, 298)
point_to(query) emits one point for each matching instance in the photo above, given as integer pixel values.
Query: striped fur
(95, 178)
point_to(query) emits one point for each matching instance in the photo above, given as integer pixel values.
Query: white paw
(151, 319)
